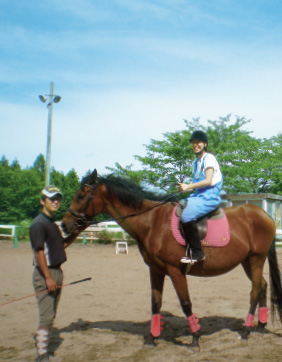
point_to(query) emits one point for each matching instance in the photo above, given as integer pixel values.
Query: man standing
(48, 246)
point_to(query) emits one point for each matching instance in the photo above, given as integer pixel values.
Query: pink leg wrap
(263, 314)
(156, 325)
(193, 323)
(249, 321)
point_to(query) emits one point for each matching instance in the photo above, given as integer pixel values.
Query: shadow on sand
(174, 328)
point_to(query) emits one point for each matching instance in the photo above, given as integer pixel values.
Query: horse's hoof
(150, 341)
(260, 328)
(194, 345)
(193, 348)
(245, 333)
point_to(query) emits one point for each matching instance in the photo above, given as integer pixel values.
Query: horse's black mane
(124, 189)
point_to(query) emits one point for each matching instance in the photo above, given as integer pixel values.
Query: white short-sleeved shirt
(210, 162)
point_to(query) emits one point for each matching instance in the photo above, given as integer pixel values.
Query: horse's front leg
(157, 284)
(180, 284)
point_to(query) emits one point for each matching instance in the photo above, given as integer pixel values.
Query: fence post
(15, 238)
(84, 241)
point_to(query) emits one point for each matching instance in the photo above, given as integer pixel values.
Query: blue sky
(129, 71)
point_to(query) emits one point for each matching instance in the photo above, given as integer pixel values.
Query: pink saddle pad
(218, 234)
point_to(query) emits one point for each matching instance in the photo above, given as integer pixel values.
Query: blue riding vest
(204, 200)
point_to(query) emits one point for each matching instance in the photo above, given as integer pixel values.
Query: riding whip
(46, 290)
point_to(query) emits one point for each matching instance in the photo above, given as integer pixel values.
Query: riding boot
(193, 241)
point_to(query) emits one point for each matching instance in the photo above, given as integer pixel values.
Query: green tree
(274, 148)
(238, 153)
(4, 162)
(40, 164)
(136, 176)
(246, 162)
(69, 186)
(20, 190)
(9, 184)
(15, 165)
(168, 161)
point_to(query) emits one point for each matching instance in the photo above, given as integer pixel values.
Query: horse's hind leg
(253, 267)
(263, 311)
(157, 284)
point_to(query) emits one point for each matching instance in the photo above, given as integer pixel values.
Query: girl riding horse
(207, 181)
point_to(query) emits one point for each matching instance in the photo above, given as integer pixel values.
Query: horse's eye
(80, 197)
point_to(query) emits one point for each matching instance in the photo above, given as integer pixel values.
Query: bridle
(81, 217)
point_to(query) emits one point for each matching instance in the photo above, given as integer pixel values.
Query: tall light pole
(51, 99)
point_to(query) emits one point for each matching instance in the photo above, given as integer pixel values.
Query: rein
(165, 201)
(82, 217)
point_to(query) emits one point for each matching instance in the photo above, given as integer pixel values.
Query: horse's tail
(275, 282)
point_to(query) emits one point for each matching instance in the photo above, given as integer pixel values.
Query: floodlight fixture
(42, 98)
(56, 99)
(51, 99)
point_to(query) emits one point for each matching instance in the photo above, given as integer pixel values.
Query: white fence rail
(279, 237)
(12, 229)
(91, 233)
(10, 234)
(8, 227)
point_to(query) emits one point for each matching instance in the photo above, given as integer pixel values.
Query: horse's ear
(94, 175)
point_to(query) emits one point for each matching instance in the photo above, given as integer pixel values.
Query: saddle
(202, 222)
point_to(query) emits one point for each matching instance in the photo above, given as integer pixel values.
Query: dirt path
(107, 318)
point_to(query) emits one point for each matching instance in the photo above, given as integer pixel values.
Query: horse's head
(103, 194)
(82, 209)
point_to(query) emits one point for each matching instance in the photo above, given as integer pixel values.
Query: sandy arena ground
(106, 319)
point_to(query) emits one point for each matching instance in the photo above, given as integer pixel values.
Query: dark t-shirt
(45, 235)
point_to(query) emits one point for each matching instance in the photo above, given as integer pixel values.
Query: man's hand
(70, 239)
(42, 264)
(51, 284)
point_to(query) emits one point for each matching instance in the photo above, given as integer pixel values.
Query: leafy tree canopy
(249, 164)
(20, 190)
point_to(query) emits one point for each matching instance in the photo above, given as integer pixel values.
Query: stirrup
(188, 260)
(192, 259)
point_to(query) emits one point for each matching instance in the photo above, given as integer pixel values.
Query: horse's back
(254, 222)
(250, 213)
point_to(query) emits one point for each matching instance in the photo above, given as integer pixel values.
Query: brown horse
(252, 234)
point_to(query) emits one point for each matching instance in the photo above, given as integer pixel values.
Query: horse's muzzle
(69, 228)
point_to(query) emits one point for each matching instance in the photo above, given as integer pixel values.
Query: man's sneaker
(194, 258)
(54, 358)
(42, 358)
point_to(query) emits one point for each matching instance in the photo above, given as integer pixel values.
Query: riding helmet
(199, 136)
